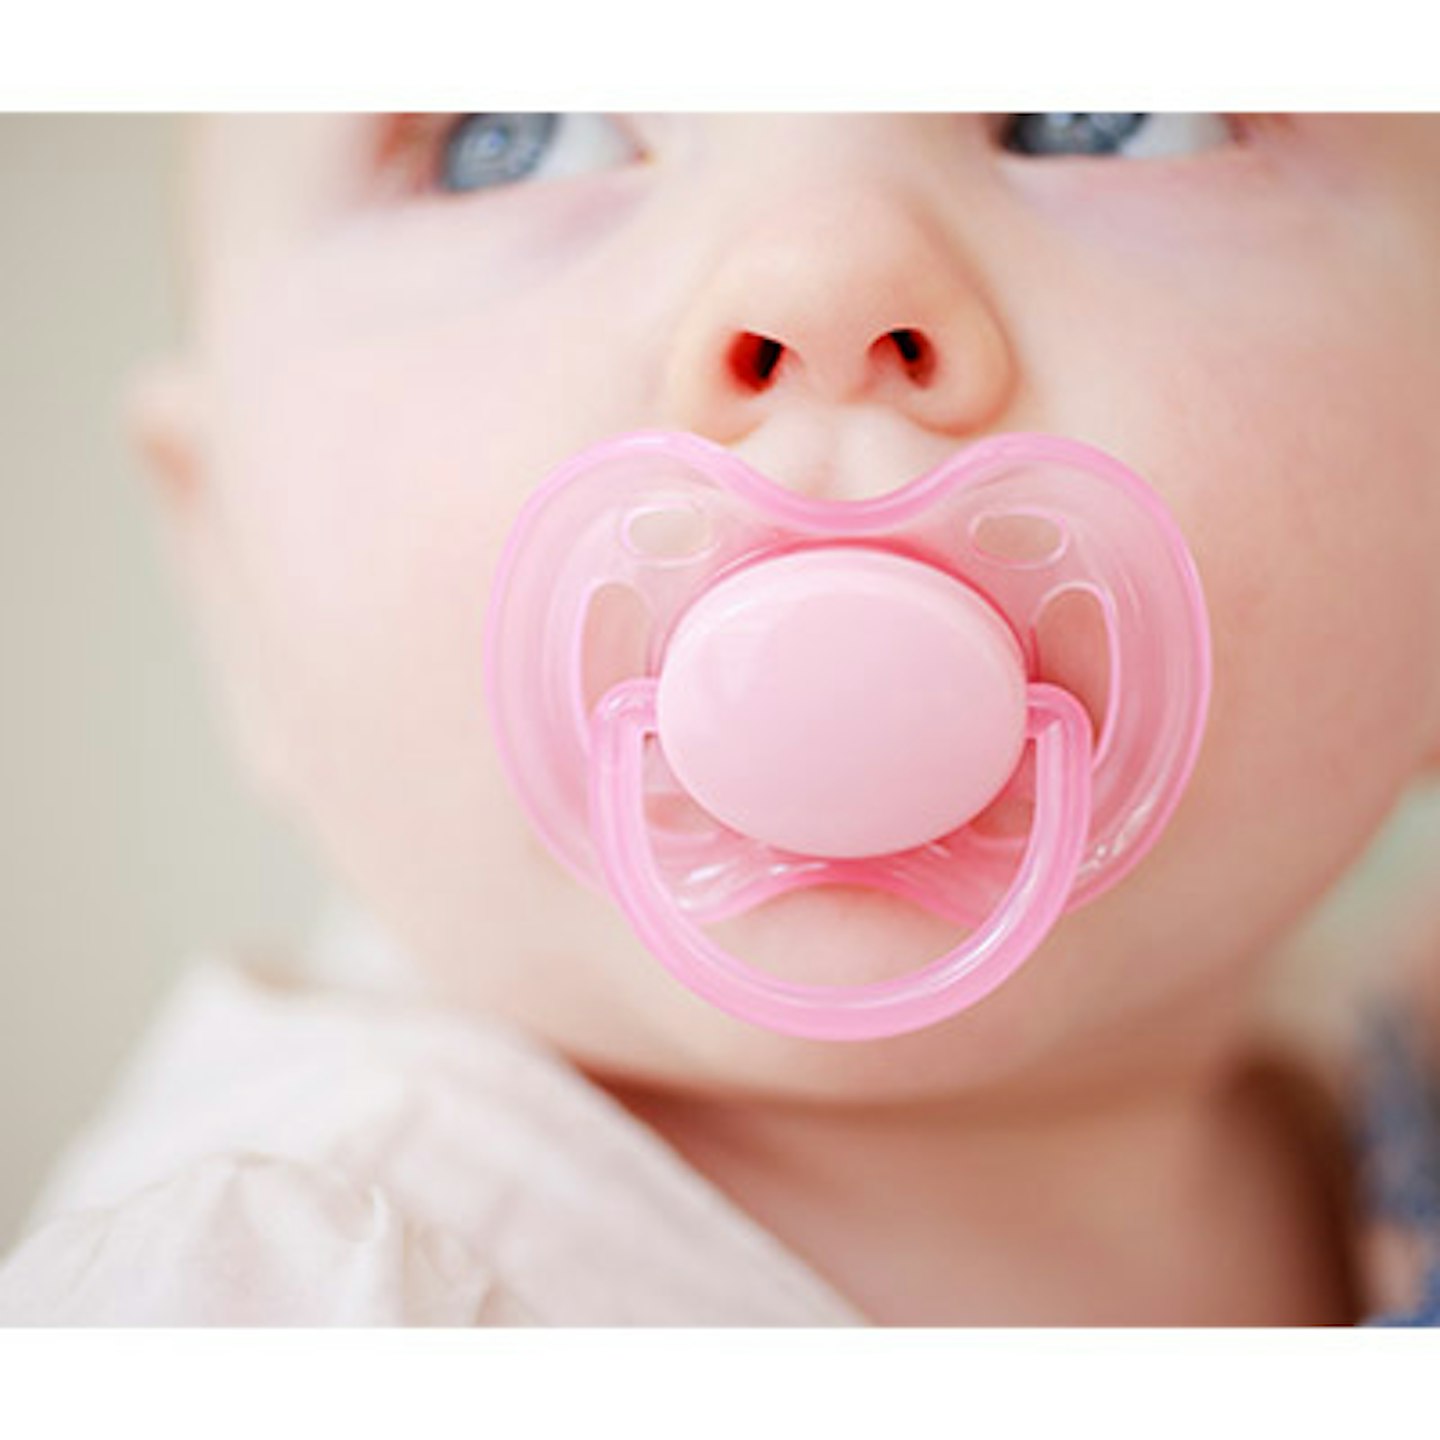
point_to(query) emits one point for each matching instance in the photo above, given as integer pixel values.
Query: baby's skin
(400, 324)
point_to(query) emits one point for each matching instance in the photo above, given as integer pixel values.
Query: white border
(732, 1384)
(740, 54)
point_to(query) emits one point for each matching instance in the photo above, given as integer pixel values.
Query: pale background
(125, 839)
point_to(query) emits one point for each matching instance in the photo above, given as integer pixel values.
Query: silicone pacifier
(709, 690)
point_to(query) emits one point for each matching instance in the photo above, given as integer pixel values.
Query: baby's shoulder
(275, 1151)
(250, 1057)
(241, 1239)
(290, 1150)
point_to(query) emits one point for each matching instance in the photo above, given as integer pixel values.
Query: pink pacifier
(709, 691)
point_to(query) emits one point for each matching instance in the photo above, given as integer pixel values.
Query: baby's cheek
(1313, 531)
(1277, 401)
(370, 485)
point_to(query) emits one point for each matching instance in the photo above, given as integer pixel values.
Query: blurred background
(126, 841)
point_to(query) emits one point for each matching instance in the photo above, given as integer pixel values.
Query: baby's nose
(847, 299)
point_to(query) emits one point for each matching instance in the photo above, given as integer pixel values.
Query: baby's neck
(1199, 1200)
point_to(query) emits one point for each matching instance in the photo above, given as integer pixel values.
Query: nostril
(753, 359)
(907, 343)
(916, 353)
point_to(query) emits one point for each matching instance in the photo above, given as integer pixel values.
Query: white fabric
(334, 1148)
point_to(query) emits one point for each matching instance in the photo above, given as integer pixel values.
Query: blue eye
(1134, 136)
(481, 152)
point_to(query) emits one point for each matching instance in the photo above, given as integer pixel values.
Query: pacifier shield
(842, 702)
(830, 693)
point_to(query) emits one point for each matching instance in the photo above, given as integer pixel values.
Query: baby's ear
(163, 408)
(161, 411)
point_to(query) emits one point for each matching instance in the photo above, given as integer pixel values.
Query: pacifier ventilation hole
(1073, 650)
(614, 642)
(1018, 537)
(668, 529)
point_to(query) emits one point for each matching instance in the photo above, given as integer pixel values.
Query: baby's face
(403, 325)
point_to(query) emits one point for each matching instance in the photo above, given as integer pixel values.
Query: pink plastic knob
(842, 702)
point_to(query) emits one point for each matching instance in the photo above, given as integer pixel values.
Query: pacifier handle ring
(1060, 728)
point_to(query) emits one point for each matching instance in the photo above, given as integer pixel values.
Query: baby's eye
(1135, 136)
(480, 152)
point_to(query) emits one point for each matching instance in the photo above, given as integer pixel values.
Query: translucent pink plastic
(709, 690)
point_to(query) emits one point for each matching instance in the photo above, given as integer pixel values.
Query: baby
(504, 1110)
